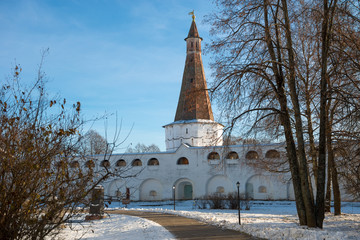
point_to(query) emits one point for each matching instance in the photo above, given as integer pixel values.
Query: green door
(188, 192)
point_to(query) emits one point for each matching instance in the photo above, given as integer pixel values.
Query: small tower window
(192, 45)
(187, 131)
(191, 80)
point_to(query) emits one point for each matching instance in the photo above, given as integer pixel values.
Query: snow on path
(116, 227)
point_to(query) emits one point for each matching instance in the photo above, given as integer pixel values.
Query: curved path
(187, 228)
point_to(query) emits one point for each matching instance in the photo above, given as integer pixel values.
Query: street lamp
(174, 194)
(238, 190)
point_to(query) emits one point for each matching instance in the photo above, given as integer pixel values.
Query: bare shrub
(217, 201)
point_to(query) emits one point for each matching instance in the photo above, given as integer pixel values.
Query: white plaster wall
(195, 133)
(114, 186)
(203, 175)
(219, 181)
(275, 188)
(148, 187)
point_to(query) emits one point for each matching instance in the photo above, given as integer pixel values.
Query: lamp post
(238, 192)
(174, 194)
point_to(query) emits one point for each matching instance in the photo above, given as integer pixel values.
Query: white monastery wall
(195, 172)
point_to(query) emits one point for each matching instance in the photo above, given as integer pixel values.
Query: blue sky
(125, 57)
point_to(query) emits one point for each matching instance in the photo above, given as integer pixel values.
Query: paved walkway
(187, 228)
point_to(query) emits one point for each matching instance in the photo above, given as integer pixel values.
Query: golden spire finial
(193, 15)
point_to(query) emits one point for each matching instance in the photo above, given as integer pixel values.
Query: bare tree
(348, 154)
(44, 177)
(93, 143)
(142, 148)
(267, 72)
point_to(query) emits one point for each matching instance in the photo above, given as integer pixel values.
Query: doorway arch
(184, 189)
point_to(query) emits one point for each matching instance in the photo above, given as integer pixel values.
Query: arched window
(136, 163)
(61, 164)
(182, 161)
(220, 189)
(262, 189)
(272, 154)
(153, 193)
(213, 156)
(120, 163)
(90, 164)
(105, 163)
(252, 155)
(232, 155)
(74, 164)
(153, 162)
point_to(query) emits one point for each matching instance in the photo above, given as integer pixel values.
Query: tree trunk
(328, 190)
(336, 189)
(285, 121)
(313, 153)
(325, 40)
(294, 168)
(332, 169)
(303, 167)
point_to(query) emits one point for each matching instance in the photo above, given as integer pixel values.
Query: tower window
(192, 44)
(191, 80)
(187, 131)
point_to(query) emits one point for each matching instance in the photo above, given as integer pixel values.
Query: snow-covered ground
(115, 227)
(265, 219)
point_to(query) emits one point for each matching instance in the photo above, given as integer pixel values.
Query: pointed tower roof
(194, 101)
(193, 32)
